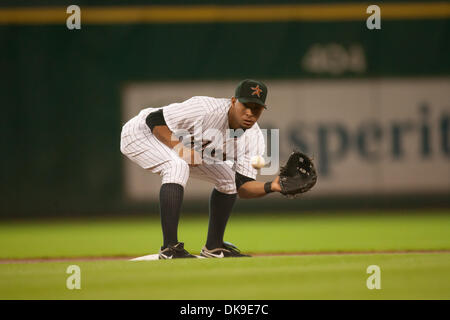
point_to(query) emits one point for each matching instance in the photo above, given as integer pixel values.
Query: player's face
(245, 115)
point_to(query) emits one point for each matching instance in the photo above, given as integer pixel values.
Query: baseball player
(212, 139)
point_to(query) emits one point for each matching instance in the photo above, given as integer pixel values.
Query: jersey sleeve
(252, 145)
(185, 116)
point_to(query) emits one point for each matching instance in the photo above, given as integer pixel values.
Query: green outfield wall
(62, 90)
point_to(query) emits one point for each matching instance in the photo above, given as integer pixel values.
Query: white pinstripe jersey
(203, 118)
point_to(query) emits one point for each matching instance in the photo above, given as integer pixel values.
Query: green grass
(267, 233)
(403, 276)
(410, 276)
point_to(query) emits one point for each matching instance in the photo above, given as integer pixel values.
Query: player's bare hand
(276, 184)
(192, 157)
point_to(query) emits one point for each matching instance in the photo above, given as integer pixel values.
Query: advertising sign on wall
(373, 136)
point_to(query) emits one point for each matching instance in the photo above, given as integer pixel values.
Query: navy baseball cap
(251, 91)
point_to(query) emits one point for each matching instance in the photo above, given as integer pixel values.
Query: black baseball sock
(220, 206)
(170, 200)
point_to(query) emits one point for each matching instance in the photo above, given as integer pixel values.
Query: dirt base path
(269, 254)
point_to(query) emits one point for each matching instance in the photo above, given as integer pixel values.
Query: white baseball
(258, 162)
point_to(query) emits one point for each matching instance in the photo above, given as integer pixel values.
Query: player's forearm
(255, 189)
(252, 189)
(163, 134)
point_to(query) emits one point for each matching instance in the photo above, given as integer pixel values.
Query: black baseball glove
(298, 175)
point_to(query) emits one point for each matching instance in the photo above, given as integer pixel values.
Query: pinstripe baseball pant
(142, 147)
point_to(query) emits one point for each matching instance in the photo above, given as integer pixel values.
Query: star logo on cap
(257, 91)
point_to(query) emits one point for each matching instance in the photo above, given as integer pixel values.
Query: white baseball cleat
(228, 250)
